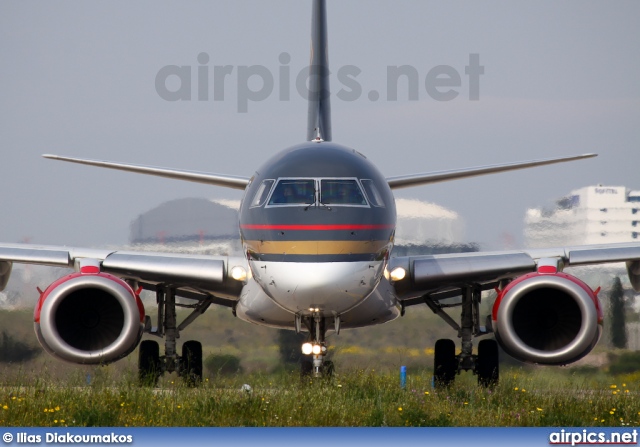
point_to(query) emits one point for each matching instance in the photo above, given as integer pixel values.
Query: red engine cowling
(89, 318)
(547, 318)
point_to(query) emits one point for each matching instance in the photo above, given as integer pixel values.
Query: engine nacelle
(547, 318)
(89, 318)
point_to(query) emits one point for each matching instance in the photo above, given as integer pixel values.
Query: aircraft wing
(443, 276)
(404, 181)
(227, 181)
(193, 276)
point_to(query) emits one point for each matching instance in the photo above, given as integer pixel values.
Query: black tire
(328, 369)
(445, 366)
(149, 368)
(191, 366)
(487, 365)
(306, 366)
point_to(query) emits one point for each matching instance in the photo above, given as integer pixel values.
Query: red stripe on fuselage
(316, 227)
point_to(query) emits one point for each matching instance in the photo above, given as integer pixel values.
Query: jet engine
(547, 318)
(89, 318)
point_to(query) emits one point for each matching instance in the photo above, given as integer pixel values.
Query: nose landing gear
(315, 347)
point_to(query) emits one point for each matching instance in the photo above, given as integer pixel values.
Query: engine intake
(89, 318)
(550, 319)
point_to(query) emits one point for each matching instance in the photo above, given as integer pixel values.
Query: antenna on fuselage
(319, 117)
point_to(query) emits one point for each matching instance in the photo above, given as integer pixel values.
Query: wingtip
(51, 156)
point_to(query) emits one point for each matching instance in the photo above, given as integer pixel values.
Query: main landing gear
(188, 365)
(446, 364)
(315, 349)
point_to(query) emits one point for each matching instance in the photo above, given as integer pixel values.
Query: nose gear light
(307, 348)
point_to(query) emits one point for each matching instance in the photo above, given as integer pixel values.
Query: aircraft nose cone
(329, 286)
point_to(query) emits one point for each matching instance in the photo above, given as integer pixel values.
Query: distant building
(424, 223)
(189, 225)
(211, 226)
(589, 215)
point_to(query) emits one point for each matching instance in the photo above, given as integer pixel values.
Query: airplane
(317, 224)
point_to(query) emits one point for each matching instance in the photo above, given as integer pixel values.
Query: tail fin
(319, 118)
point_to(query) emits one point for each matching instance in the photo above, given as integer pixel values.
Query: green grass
(541, 397)
(364, 392)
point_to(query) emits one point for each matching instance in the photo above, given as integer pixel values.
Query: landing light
(238, 273)
(317, 349)
(307, 348)
(398, 274)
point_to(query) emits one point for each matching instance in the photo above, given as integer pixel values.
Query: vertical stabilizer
(319, 119)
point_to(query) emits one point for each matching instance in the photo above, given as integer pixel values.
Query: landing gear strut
(315, 347)
(189, 365)
(446, 364)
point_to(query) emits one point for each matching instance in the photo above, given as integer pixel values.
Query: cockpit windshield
(293, 192)
(316, 191)
(341, 192)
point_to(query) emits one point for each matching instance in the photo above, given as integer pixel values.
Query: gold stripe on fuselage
(315, 247)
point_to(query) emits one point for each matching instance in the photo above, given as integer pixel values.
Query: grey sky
(78, 79)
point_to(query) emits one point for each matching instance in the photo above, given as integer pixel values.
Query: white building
(589, 215)
(424, 223)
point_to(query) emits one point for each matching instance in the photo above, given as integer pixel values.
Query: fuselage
(317, 224)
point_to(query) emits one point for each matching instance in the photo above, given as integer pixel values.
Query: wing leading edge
(441, 274)
(404, 181)
(227, 181)
(203, 275)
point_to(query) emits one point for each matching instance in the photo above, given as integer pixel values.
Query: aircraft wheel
(445, 366)
(191, 367)
(487, 366)
(328, 369)
(306, 367)
(149, 369)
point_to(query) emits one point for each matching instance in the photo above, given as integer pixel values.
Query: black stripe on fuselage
(366, 257)
(288, 234)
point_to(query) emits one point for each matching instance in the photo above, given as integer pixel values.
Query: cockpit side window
(341, 192)
(263, 192)
(294, 192)
(372, 192)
